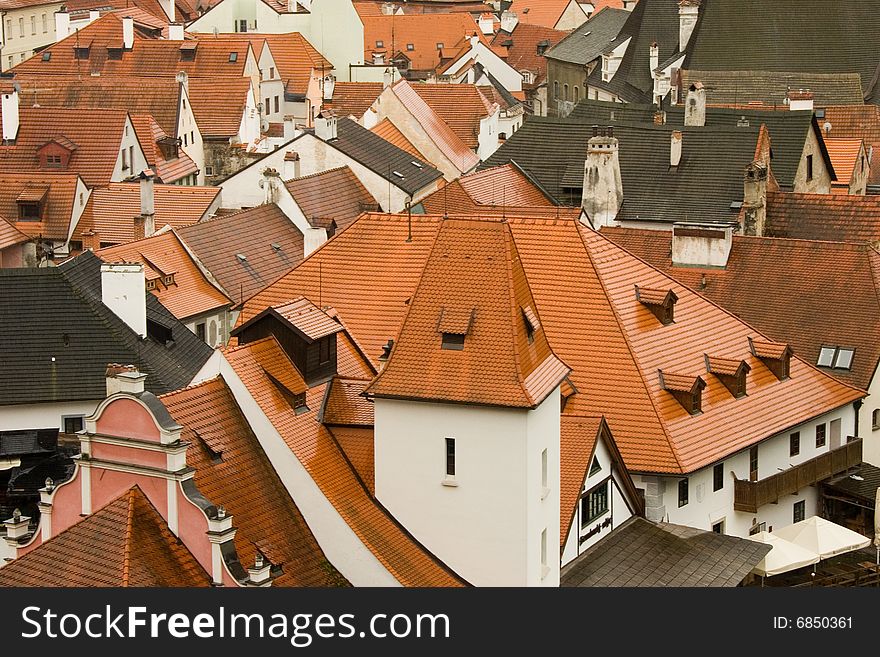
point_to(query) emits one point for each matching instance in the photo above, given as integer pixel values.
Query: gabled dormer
(687, 390)
(31, 202)
(775, 355)
(168, 146)
(453, 325)
(305, 332)
(731, 372)
(660, 302)
(56, 153)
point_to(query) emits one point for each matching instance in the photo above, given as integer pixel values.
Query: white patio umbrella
(784, 556)
(823, 537)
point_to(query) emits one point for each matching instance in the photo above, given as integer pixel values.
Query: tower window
(450, 457)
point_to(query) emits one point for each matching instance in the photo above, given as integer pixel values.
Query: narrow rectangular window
(21, 27)
(753, 463)
(277, 106)
(800, 510)
(682, 492)
(820, 435)
(543, 471)
(324, 351)
(544, 551)
(200, 331)
(45, 24)
(450, 457)
(809, 167)
(794, 444)
(718, 477)
(33, 24)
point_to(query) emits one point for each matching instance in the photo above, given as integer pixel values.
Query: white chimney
(168, 8)
(387, 78)
(291, 167)
(487, 24)
(695, 106)
(675, 148)
(124, 291)
(701, 245)
(94, 15)
(688, 11)
(62, 25)
(603, 186)
(388, 8)
(292, 6)
(9, 110)
(148, 203)
(183, 78)
(289, 127)
(654, 57)
(509, 20)
(128, 32)
(800, 99)
(175, 31)
(329, 86)
(124, 378)
(325, 126)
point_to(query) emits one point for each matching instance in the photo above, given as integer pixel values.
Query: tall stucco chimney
(62, 25)
(168, 8)
(688, 11)
(675, 147)
(9, 112)
(123, 290)
(603, 187)
(291, 168)
(654, 57)
(755, 199)
(175, 31)
(695, 106)
(94, 15)
(701, 245)
(127, 32)
(292, 6)
(325, 125)
(800, 99)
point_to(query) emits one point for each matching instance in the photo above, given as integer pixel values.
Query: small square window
(718, 527)
(594, 504)
(233, 57)
(209, 170)
(380, 44)
(439, 45)
(794, 444)
(410, 47)
(453, 342)
(47, 56)
(73, 423)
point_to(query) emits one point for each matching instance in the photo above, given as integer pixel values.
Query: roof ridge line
(126, 553)
(509, 250)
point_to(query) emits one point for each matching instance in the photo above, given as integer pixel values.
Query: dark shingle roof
(591, 39)
(382, 157)
(864, 488)
(65, 304)
(789, 35)
(701, 188)
(641, 553)
(771, 87)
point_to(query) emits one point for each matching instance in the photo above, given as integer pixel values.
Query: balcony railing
(748, 496)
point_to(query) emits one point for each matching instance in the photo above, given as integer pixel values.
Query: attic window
(159, 332)
(188, 54)
(81, 53)
(233, 57)
(661, 303)
(380, 44)
(731, 373)
(453, 342)
(29, 211)
(531, 322)
(595, 466)
(114, 53)
(776, 356)
(168, 280)
(398, 174)
(439, 45)
(838, 358)
(47, 56)
(410, 47)
(454, 324)
(687, 390)
(151, 284)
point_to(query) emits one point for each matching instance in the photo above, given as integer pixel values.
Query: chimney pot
(124, 378)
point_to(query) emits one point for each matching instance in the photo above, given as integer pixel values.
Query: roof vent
(233, 57)
(276, 246)
(241, 257)
(398, 174)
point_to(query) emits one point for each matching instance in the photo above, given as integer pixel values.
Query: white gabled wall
(487, 526)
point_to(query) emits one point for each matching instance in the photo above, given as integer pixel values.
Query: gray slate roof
(789, 35)
(640, 553)
(590, 40)
(864, 488)
(771, 87)
(43, 307)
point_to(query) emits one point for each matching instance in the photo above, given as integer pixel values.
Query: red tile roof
(506, 184)
(125, 543)
(354, 98)
(167, 171)
(326, 463)
(522, 54)
(460, 106)
(358, 447)
(111, 211)
(309, 320)
(94, 158)
(844, 154)
(860, 122)
(10, 235)
(345, 404)
(233, 470)
(58, 202)
(577, 442)
(829, 217)
(610, 340)
(389, 132)
(335, 194)
(270, 243)
(546, 12)
(815, 287)
(219, 119)
(163, 255)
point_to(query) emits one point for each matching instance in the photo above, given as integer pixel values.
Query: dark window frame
(683, 492)
(794, 444)
(452, 342)
(595, 503)
(718, 477)
(821, 435)
(753, 463)
(799, 511)
(450, 457)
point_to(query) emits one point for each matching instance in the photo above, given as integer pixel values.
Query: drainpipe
(857, 405)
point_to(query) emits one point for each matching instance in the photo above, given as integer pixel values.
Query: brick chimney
(688, 11)
(124, 291)
(603, 187)
(800, 99)
(755, 199)
(124, 378)
(90, 240)
(675, 145)
(127, 32)
(695, 106)
(701, 245)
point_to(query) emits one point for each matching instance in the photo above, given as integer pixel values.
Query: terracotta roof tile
(345, 404)
(860, 122)
(270, 243)
(814, 287)
(321, 456)
(219, 119)
(335, 194)
(10, 235)
(827, 217)
(505, 184)
(57, 207)
(844, 154)
(125, 543)
(354, 98)
(308, 319)
(522, 54)
(460, 106)
(548, 12)
(163, 255)
(149, 133)
(232, 469)
(111, 210)
(389, 132)
(577, 442)
(609, 339)
(357, 445)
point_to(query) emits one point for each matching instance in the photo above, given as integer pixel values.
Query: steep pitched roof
(163, 255)
(58, 191)
(608, 338)
(326, 463)
(815, 287)
(219, 119)
(111, 210)
(460, 106)
(770, 88)
(270, 243)
(10, 235)
(522, 47)
(335, 194)
(591, 40)
(860, 122)
(233, 470)
(844, 153)
(354, 98)
(504, 184)
(149, 133)
(541, 12)
(389, 132)
(829, 217)
(82, 335)
(125, 543)
(96, 152)
(473, 285)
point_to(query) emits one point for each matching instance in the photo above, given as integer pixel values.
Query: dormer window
(531, 322)
(660, 302)
(29, 211)
(81, 53)
(687, 390)
(453, 342)
(188, 51)
(775, 355)
(380, 44)
(151, 284)
(454, 325)
(159, 332)
(30, 203)
(731, 372)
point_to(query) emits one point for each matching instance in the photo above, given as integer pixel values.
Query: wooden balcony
(749, 495)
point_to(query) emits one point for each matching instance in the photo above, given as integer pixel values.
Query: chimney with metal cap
(603, 188)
